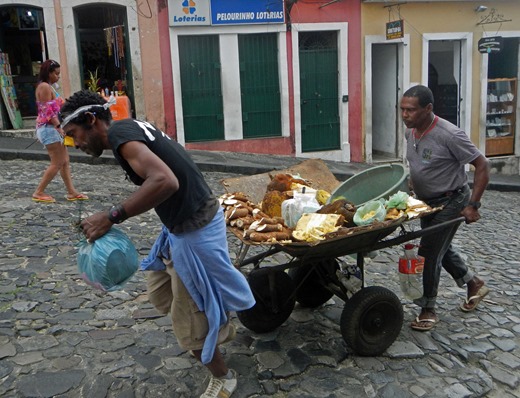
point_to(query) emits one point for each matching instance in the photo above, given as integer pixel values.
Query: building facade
(467, 52)
(299, 78)
(278, 77)
(112, 44)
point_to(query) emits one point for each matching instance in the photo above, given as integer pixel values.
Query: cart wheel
(270, 310)
(371, 320)
(311, 293)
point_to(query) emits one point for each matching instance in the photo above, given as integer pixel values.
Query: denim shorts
(47, 135)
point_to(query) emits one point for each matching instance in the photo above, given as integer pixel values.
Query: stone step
(29, 122)
(20, 133)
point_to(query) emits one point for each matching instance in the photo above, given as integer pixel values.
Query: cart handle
(408, 236)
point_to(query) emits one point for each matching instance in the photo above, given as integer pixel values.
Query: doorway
(385, 100)
(202, 100)
(318, 54)
(445, 77)
(103, 46)
(23, 41)
(446, 69)
(387, 73)
(320, 60)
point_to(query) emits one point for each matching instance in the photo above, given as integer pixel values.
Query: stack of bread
(266, 223)
(257, 226)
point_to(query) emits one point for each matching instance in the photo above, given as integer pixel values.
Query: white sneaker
(221, 388)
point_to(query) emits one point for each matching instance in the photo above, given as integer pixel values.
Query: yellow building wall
(443, 17)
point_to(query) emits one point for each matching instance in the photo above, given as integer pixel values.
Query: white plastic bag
(292, 209)
(370, 212)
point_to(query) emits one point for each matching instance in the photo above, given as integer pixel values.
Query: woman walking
(50, 134)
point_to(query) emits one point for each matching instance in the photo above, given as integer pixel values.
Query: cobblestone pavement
(60, 337)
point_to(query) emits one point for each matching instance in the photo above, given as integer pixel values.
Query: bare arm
(159, 184)
(480, 182)
(44, 92)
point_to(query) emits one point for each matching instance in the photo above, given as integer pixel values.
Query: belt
(454, 192)
(448, 194)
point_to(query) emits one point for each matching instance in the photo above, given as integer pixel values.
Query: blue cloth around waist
(201, 259)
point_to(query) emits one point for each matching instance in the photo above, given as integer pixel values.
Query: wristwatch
(117, 214)
(475, 205)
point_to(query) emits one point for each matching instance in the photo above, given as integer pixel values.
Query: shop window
(502, 94)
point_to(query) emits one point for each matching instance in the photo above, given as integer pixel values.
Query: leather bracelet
(475, 205)
(58, 126)
(117, 214)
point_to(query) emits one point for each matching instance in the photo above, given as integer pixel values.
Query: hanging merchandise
(115, 41)
(120, 43)
(116, 48)
(108, 39)
(8, 92)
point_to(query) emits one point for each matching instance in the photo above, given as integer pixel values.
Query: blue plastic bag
(109, 262)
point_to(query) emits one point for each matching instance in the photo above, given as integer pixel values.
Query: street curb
(231, 163)
(13, 154)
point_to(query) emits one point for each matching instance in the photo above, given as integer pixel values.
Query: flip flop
(79, 196)
(429, 321)
(44, 199)
(473, 301)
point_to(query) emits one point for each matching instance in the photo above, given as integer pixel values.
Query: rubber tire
(311, 293)
(371, 320)
(261, 318)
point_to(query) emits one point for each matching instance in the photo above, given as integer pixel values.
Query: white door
(385, 92)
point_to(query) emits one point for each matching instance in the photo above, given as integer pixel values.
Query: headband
(87, 108)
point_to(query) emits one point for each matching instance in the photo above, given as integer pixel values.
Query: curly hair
(46, 69)
(85, 98)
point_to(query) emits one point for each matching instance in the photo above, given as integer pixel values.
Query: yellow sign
(395, 30)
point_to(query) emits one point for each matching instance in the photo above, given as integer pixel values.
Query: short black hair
(83, 98)
(423, 93)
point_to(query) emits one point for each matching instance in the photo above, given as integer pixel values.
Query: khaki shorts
(168, 294)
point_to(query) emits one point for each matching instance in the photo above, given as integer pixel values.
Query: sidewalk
(230, 162)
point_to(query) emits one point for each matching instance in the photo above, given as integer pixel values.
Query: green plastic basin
(372, 184)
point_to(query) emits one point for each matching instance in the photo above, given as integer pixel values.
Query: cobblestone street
(61, 338)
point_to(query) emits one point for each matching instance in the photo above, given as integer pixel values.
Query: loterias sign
(488, 45)
(225, 12)
(234, 12)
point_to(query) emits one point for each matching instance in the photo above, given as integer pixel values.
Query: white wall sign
(189, 12)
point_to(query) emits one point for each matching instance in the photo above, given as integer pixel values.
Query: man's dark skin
(159, 184)
(420, 118)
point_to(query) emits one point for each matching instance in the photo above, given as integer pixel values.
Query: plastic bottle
(410, 272)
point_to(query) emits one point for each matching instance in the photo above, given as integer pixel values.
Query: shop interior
(103, 55)
(22, 40)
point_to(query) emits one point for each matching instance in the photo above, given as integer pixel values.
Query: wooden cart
(372, 316)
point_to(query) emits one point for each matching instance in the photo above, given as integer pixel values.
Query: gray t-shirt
(437, 164)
